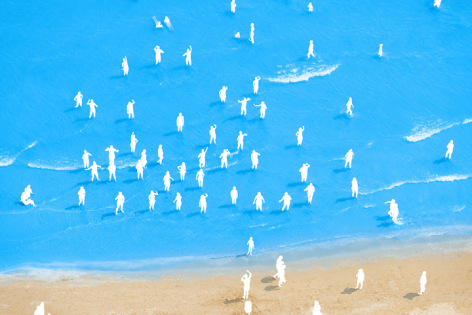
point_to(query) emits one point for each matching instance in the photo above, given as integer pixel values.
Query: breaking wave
(297, 75)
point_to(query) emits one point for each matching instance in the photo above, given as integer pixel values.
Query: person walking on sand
(258, 201)
(152, 200)
(423, 282)
(360, 279)
(120, 200)
(241, 140)
(203, 203)
(78, 100)
(250, 245)
(125, 66)
(212, 133)
(286, 199)
(178, 202)
(93, 107)
(94, 169)
(317, 307)
(348, 157)
(133, 143)
(282, 275)
(81, 194)
(244, 105)
(263, 107)
(246, 279)
(158, 51)
(234, 195)
(233, 6)
(182, 170)
(255, 84)
(199, 177)
(201, 158)
(247, 304)
(310, 191)
(188, 55)
(85, 158)
(354, 187)
(310, 50)
(349, 107)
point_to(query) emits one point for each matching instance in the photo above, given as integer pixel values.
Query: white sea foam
(5, 160)
(298, 75)
(422, 132)
(458, 208)
(466, 121)
(59, 166)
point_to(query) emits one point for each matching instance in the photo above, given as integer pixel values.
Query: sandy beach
(390, 287)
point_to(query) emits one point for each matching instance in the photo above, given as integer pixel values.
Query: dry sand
(390, 287)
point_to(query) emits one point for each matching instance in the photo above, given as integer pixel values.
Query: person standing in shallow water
(78, 99)
(182, 170)
(125, 66)
(450, 148)
(85, 158)
(180, 122)
(255, 84)
(152, 200)
(81, 194)
(188, 56)
(234, 195)
(178, 201)
(133, 143)
(120, 200)
(250, 245)
(310, 191)
(158, 51)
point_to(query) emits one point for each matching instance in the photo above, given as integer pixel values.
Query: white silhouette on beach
(143, 159)
(233, 6)
(263, 107)
(112, 171)
(85, 158)
(111, 153)
(222, 94)
(450, 148)
(317, 308)
(234, 195)
(248, 307)
(251, 38)
(258, 201)
(250, 245)
(393, 212)
(354, 187)
(255, 84)
(182, 170)
(310, 7)
(178, 201)
(310, 191)
(130, 109)
(203, 203)
(254, 159)
(224, 158)
(188, 56)
(167, 180)
(81, 194)
(212, 133)
(423, 282)
(25, 196)
(286, 199)
(360, 278)
(199, 177)
(348, 157)
(180, 122)
(201, 158)
(78, 100)
(158, 51)
(437, 3)
(125, 66)
(310, 50)
(133, 143)
(349, 107)
(160, 154)
(244, 105)
(299, 135)
(93, 107)
(140, 169)
(380, 50)
(120, 200)
(152, 200)
(246, 279)
(167, 23)
(241, 140)
(304, 171)
(94, 169)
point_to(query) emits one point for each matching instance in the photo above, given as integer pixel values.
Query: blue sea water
(407, 106)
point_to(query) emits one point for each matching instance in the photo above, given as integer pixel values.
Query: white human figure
(263, 107)
(199, 177)
(317, 308)
(158, 23)
(423, 282)
(224, 158)
(203, 203)
(120, 200)
(223, 94)
(278, 265)
(310, 190)
(78, 100)
(111, 153)
(112, 171)
(241, 140)
(188, 55)
(160, 154)
(125, 66)
(258, 201)
(354, 187)
(304, 171)
(158, 51)
(85, 158)
(310, 50)
(246, 279)
(299, 135)
(348, 157)
(178, 201)
(233, 6)
(133, 142)
(180, 122)
(234, 195)
(140, 169)
(130, 109)
(152, 200)
(450, 148)
(252, 33)
(201, 158)
(25, 196)
(360, 278)
(393, 212)
(237, 35)
(255, 84)
(286, 199)
(244, 105)
(182, 170)
(380, 50)
(167, 23)
(247, 304)
(40, 309)
(94, 169)
(143, 158)
(310, 7)
(282, 275)
(250, 245)
(349, 107)
(212, 133)
(166, 180)
(93, 107)
(254, 159)
(81, 194)
(437, 3)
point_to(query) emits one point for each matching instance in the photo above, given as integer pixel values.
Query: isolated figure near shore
(120, 200)
(310, 50)
(111, 153)
(140, 169)
(304, 171)
(212, 133)
(133, 143)
(437, 3)
(199, 177)
(143, 158)
(234, 195)
(244, 105)
(233, 6)
(380, 50)
(180, 122)
(152, 200)
(360, 279)
(354, 187)
(423, 282)
(299, 135)
(78, 99)
(310, 191)
(247, 304)
(160, 154)
(241, 140)
(393, 212)
(246, 279)
(158, 51)
(317, 307)
(188, 56)
(254, 159)
(167, 180)
(81, 195)
(263, 107)
(40, 309)
(348, 157)
(203, 203)
(251, 37)
(258, 201)
(85, 158)
(223, 94)
(310, 7)
(349, 107)
(450, 148)
(278, 265)
(112, 171)
(25, 196)
(286, 199)
(125, 66)
(201, 158)
(281, 274)
(93, 108)
(255, 84)
(182, 170)
(94, 169)
(224, 158)
(250, 245)
(178, 201)
(130, 109)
